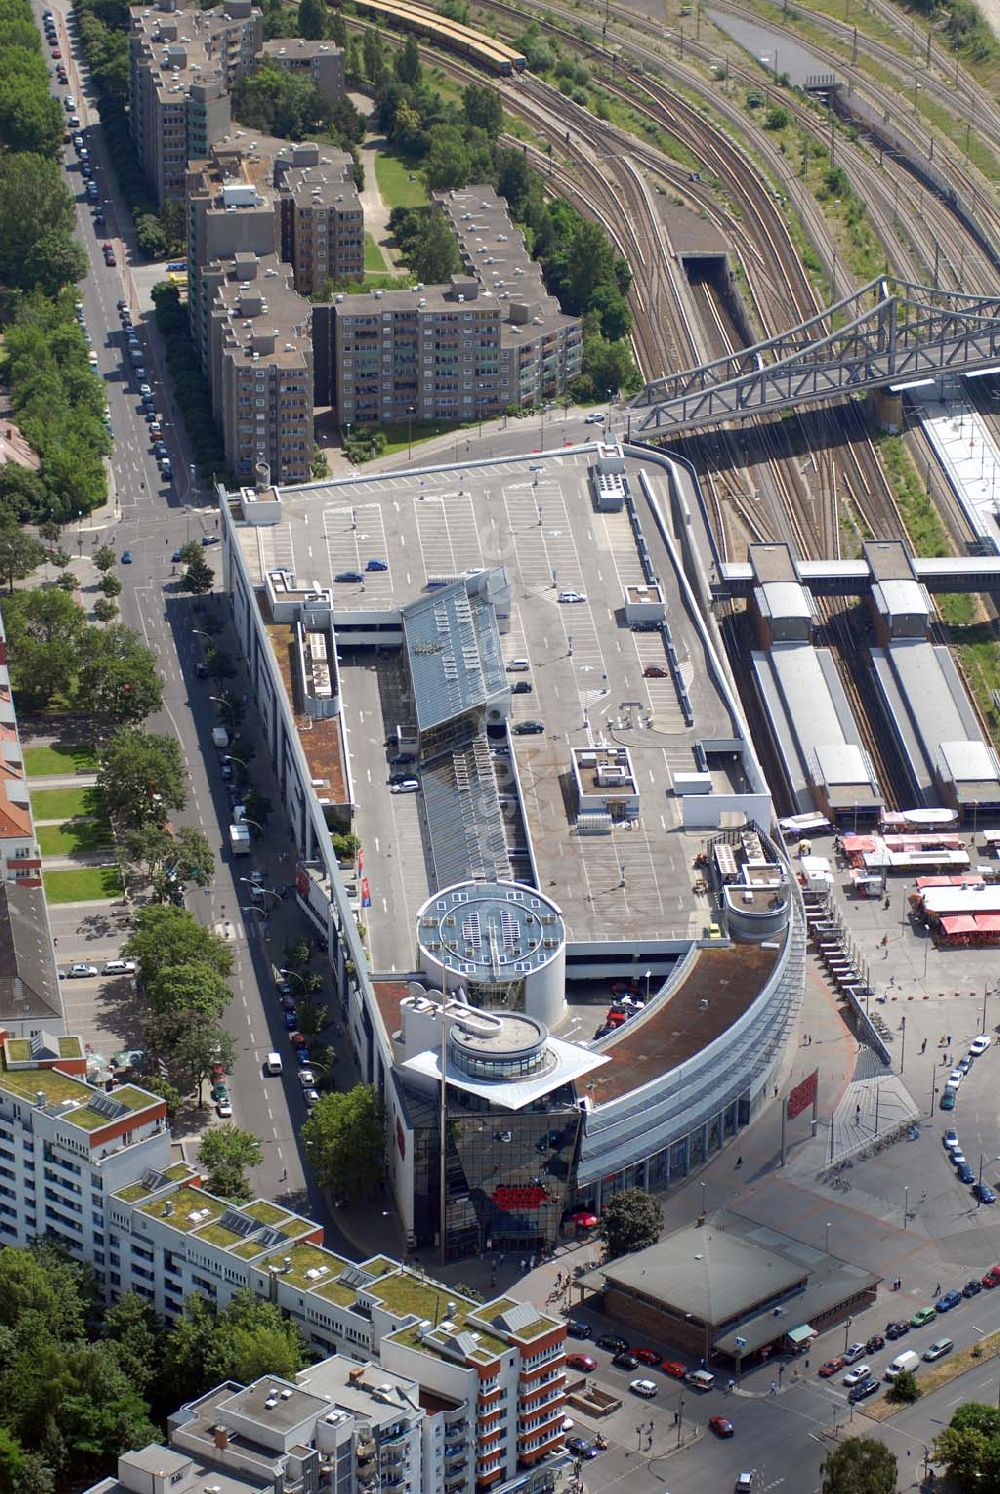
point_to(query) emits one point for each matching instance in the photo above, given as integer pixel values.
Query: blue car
(964, 1173)
(377, 565)
(983, 1194)
(126, 557)
(302, 1058)
(291, 1020)
(948, 1301)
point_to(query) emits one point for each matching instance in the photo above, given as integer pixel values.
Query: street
(148, 517)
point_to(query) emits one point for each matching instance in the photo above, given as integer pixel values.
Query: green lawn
(63, 803)
(90, 884)
(374, 258)
(74, 836)
(395, 184)
(40, 761)
(397, 436)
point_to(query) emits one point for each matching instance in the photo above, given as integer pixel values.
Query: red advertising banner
(511, 1199)
(302, 882)
(803, 1095)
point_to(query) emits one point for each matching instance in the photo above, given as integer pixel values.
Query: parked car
(80, 970)
(964, 1064)
(645, 1388)
(964, 1173)
(979, 1044)
(307, 1078)
(938, 1349)
(830, 1368)
(521, 687)
(220, 1090)
(983, 1194)
(875, 1343)
(648, 1356)
(947, 1100)
(972, 1288)
(857, 1375)
(616, 1344)
(585, 1362)
(528, 728)
(577, 1328)
(674, 1369)
(955, 1077)
(947, 1302)
(863, 1391)
(626, 1361)
(210, 539)
(405, 786)
(854, 1353)
(572, 596)
(348, 576)
(311, 1097)
(377, 565)
(594, 418)
(923, 1315)
(302, 1058)
(118, 967)
(896, 1330)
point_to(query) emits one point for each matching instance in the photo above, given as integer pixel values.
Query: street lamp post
(826, 1242)
(409, 431)
(847, 1333)
(295, 976)
(906, 1206)
(680, 1420)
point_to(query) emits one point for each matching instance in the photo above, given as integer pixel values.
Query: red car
(830, 1368)
(655, 672)
(721, 1427)
(581, 1362)
(647, 1356)
(992, 1277)
(674, 1369)
(56, 54)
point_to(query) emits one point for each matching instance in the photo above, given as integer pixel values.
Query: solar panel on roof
(108, 1106)
(239, 1224)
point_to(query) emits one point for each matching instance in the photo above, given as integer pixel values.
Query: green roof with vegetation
(60, 1089)
(181, 1204)
(305, 1258)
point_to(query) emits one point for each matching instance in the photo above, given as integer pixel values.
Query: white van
(901, 1363)
(699, 1379)
(272, 1063)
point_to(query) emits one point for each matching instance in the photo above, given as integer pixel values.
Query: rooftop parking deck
(590, 679)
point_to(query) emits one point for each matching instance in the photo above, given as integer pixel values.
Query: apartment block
(339, 1427)
(30, 997)
(182, 61)
(66, 1147)
(322, 222)
(261, 367)
(468, 1396)
(230, 210)
(490, 339)
(321, 62)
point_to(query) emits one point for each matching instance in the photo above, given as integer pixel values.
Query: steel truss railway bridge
(887, 334)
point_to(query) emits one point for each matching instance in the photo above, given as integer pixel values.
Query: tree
(312, 19)
(141, 777)
(167, 1092)
(20, 553)
(446, 164)
(225, 1153)
(44, 629)
(119, 679)
(253, 1338)
(198, 576)
(37, 248)
(137, 1334)
(194, 987)
(482, 107)
(105, 610)
(231, 709)
(109, 586)
(434, 255)
(165, 937)
(860, 1465)
(345, 1140)
(67, 583)
(193, 859)
(105, 558)
(905, 1387)
(970, 1448)
(408, 69)
(630, 1221)
(313, 1020)
(199, 1043)
(22, 1472)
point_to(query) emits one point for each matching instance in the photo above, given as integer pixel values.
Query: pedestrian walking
(923, 1046)
(739, 1161)
(857, 1114)
(772, 1389)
